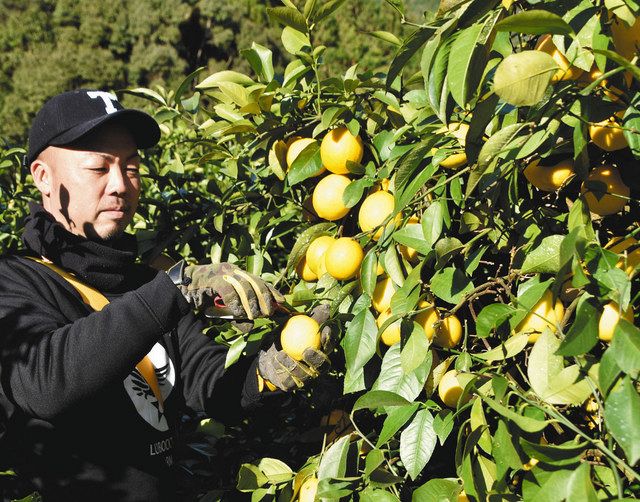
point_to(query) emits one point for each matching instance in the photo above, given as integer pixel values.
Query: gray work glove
(286, 373)
(225, 290)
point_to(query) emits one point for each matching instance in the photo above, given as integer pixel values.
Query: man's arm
(53, 357)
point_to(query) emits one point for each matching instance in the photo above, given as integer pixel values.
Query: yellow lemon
(315, 253)
(566, 71)
(626, 39)
(610, 201)
(327, 197)
(544, 314)
(449, 388)
(304, 271)
(298, 334)
(375, 209)
(338, 147)
(454, 161)
(343, 258)
(449, 332)
(391, 334)
(608, 135)
(278, 153)
(459, 131)
(609, 320)
(427, 319)
(384, 290)
(629, 245)
(549, 178)
(308, 490)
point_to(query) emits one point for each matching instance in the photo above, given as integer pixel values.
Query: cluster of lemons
(608, 135)
(342, 257)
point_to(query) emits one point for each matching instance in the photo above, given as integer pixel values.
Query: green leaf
(326, 9)
(368, 272)
(535, 22)
(583, 333)
(416, 350)
(608, 372)
(504, 451)
(359, 344)
(374, 459)
(215, 79)
(625, 347)
(386, 37)
(409, 47)
(186, 84)
(545, 258)
(510, 348)
(550, 380)
(622, 416)
(468, 58)
(275, 470)
(632, 126)
(147, 94)
(559, 455)
(437, 490)
(451, 285)
(580, 488)
(410, 162)
(432, 222)
(527, 424)
(375, 399)
(353, 193)
(250, 478)
(492, 317)
(417, 443)
(392, 377)
(294, 41)
(260, 59)
(333, 463)
(615, 57)
(443, 424)
(235, 351)
(436, 83)
(396, 419)
(288, 17)
(521, 79)
(307, 164)
(498, 143)
(406, 297)
(303, 241)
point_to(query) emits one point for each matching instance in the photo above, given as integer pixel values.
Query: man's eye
(99, 169)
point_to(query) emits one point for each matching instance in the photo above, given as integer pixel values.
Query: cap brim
(143, 127)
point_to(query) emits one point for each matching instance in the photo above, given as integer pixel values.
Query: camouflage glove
(285, 373)
(225, 290)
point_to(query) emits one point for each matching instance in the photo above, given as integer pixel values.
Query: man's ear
(41, 172)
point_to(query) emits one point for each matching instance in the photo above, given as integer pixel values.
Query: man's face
(92, 187)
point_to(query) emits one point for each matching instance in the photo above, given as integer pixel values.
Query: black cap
(67, 117)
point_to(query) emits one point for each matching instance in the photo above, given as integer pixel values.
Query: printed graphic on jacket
(148, 405)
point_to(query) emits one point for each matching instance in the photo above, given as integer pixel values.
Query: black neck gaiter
(109, 266)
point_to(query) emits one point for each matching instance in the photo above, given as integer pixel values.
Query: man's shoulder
(18, 264)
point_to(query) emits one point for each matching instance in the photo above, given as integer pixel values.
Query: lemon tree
(484, 300)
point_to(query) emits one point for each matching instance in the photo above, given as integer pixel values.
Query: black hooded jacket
(82, 422)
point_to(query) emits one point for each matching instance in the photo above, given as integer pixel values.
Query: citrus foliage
(484, 324)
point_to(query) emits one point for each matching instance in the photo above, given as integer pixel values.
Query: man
(98, 353)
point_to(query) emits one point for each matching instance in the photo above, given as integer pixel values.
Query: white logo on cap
(107, 98)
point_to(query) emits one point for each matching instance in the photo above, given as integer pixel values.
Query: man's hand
(227, 289)
(285, 373)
